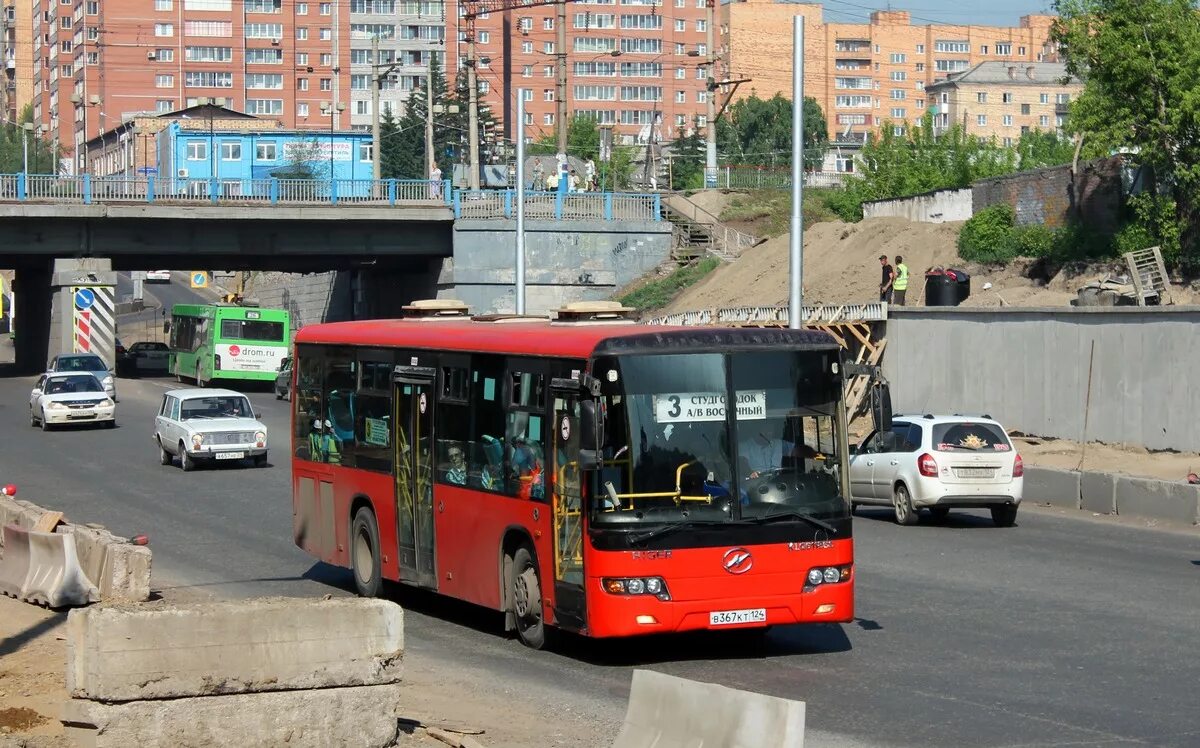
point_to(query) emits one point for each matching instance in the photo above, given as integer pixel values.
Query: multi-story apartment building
(1004, 99)
(409, 33)
(637, 65)
(97, 63)
(15, 30)
(868, 73)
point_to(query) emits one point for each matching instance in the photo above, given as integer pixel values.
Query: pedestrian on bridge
(435, 181)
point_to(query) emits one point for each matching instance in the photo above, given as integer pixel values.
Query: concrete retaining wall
(1029, 369)
(590, 262)
(931, 207)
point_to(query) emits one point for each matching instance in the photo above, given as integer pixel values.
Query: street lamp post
(26, 128)
(79, 101)
(332, 110)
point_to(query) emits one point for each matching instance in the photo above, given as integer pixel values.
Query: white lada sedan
(60, 398)
(203, 425)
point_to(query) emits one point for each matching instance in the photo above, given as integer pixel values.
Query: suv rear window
(966, 436)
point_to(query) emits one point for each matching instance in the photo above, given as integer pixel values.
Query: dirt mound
(841, 265)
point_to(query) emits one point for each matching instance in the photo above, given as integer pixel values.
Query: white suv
(938, 463)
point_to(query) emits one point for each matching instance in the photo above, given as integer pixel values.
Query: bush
(657, 294)
(1035, 241)
(989, 237)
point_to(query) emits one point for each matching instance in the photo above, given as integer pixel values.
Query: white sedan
(70, 397)
(158, 276)
(202, 425)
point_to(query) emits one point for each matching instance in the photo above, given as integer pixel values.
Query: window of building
(547, 71)
(266, 151)
(164, 55)
(264, 106)
(1006, 97)
(1007, 120)
(950, 66)
(164, 105)
(264, 81)
(548, 48)
(1062, 98)
(527, 48)
(548, 24)
(920, 49)
(1021, 51)
(681, 97)
(326, 59)
(207, 54)
(208, 5)
(898, 130)
(301, 33)
(263, 6)
(302, 84)
(269, 56)
(205, 79)
(897, 114)
(164, 81)
(920, 103)
(528, 118)
(920, 67)
(302, 9)
(899, 75)
(1003, 50)
(1044, 120)
(945, 98)
(93, 7)
(981, 120)
(163, 4)
(680, 24)
(364, 152)
(527, 71)
(326, 8)
(1024, 109)
(548, 118)
(548, 94)
(326, 35)
(485, 86)
(981, 97)
(164, 29)
(899, 93)
(485, 37)
(897, 58)
(680, 73)
(326, 84)
(265, 31)
(983, 49)
(231, 150)
(952, 45)
(1044, 98)
(197, 150)
(701, 24)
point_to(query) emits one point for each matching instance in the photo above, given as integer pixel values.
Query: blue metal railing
(473, 204)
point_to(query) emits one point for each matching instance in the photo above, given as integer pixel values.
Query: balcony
(1062, 108)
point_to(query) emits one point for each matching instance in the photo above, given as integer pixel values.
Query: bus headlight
(826, 575)
(655, 586)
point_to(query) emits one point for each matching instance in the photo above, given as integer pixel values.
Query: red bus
(579, 474)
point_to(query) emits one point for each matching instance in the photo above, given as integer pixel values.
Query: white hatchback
(937, 463)
(202, 425)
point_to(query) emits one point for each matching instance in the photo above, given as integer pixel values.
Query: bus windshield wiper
(641, 537)
(792, 514)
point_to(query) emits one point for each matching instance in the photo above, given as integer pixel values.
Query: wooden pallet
(1149, 274)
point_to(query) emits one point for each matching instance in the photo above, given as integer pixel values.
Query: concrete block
(1097, 492)
(1158, 499)
(129, 653)
(1052, 486)
(120, 570)
(668, 711)
(356, 716)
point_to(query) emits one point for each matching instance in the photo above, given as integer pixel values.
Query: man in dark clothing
(885, 284)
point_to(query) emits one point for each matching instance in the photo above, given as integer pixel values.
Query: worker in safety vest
(900, 284)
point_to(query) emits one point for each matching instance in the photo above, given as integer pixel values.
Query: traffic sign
(199, 279)
(147, 170)
(84, 298)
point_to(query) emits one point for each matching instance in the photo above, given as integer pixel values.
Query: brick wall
(1050, 197)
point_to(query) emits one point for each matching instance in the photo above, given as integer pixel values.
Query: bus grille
(230, 437)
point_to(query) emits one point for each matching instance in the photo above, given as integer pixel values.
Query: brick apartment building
(1004, 99)
(96, 63)
(637, 65)
(865, 74)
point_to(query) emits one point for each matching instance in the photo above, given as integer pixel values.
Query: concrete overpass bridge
(396, 239)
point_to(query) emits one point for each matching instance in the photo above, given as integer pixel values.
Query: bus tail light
(927, 465)
(655, 586)
(1018, 467)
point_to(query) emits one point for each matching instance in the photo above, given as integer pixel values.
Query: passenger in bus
(491, 474)
(527, 469)
(456, 474)
(323, 445)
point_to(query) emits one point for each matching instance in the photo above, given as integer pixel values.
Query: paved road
(1061, 631)
(160, 296)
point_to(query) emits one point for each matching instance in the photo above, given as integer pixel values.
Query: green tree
(1140, 63)
(687, 162)
(920, 160)
(759, 132)
(15, 139)
(1038, 148)
(583, 140)
(303, 160)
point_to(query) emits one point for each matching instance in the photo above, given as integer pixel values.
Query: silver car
(85, 362)
(208, 425)
(70, 398)
(939, 463)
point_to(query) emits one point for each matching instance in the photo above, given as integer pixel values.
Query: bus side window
(525, 436)
(485, 449)
(453, 428)
(341, 402)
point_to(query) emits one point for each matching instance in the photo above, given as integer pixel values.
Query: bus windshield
(669, 452)
(252, 329)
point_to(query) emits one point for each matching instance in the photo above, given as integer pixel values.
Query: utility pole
(560, 50)
(429, 121)
(376, 83)
(473, 112)
(518, 131)
(710, 101)
(796, 240)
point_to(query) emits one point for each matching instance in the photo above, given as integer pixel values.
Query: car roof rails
(974, 415)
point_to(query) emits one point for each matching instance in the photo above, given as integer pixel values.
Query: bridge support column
(30, 321)
(83, 316)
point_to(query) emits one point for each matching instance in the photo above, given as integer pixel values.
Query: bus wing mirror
(881, 406)
(167, 326)
(590, 428)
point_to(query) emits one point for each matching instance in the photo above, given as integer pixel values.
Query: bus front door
(412, 398)
(570, 607)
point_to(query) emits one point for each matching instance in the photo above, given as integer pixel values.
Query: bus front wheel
(527, 599)
(364, 553)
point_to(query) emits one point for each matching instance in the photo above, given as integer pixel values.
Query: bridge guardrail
(571, 206)
(817, 314)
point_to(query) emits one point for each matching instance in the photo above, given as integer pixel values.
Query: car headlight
(260, 436)
(56, 406)
(107, 381)
(106, 402)
(197, 440)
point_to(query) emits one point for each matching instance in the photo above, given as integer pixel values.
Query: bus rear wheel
(527, 599)
(364, 553)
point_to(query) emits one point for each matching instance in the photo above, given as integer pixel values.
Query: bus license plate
(732, 617)
(230, 455)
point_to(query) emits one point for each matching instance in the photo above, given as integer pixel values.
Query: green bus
(227, 341)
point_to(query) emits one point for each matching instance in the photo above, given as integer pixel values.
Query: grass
(658, 293)
(769, 212)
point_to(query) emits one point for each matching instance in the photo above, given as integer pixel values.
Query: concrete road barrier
(1052, 486)
(357, 716)
(1156, 499)
(1097, 493)
(51, 572)
(669, 712)
(164, 651)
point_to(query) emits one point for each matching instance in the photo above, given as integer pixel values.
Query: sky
(984, 12)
